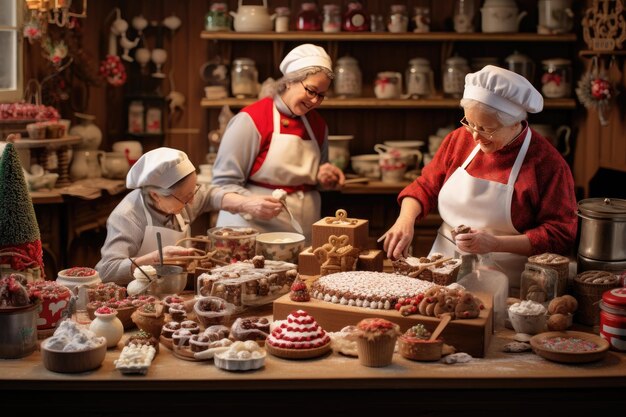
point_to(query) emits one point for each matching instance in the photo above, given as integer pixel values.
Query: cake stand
(61, 147)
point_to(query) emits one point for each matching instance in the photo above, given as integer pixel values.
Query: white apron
(481, 204)
(289, 160)
(168, 236)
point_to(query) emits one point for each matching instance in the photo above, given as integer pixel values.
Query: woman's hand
(398, 238)
(261, 207)
(173, 251)
(330, 177)
(477, 241)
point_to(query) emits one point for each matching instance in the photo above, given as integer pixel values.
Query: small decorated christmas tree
(20, 241)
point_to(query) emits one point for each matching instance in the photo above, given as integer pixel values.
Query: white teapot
(252, 18)
(114, 165)
(500, 16)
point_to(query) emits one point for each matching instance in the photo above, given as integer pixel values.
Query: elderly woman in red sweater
(496, 175)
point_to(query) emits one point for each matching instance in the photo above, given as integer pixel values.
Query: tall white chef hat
(504, 90)
(161, 167)
(303, 56)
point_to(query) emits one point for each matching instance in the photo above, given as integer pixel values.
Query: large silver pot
(602, 229)
(18, 331)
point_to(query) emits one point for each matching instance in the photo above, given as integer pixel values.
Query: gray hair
(505, 119)
(281, 84)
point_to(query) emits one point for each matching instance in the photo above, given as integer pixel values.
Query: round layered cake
(298, 337)
(376, 290)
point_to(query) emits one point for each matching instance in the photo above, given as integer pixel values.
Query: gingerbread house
(339, 234)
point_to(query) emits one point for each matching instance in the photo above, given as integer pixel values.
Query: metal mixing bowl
(171, 280)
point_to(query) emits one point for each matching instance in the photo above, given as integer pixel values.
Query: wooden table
(515, 384)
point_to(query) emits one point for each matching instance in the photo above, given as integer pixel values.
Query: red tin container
(613, 318)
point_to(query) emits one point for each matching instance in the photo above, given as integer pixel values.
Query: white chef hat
(504, 90)
(161, 167)
(303, 56)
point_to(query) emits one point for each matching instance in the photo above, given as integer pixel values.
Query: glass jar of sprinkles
(613, 318)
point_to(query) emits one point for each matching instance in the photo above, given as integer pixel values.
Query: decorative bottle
(332, 19)
(355, 19)
(309, 18)
(107, 325)
(88, 131)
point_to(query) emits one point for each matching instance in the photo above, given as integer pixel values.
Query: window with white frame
(11, 83)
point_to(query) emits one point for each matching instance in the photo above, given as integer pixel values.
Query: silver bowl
(172, 279)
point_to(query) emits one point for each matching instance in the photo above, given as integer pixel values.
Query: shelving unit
(373, 120)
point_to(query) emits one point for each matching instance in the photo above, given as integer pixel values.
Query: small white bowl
(221, 360)
(366, 165)
(528, 323)
(280, 246)
(73, 362)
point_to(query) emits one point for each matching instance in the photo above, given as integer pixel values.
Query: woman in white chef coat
(496, 175)
(281, 142)
(166, 198)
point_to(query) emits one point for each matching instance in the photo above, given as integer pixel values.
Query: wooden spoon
(445, 319)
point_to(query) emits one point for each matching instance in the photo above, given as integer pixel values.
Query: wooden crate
(470, 336)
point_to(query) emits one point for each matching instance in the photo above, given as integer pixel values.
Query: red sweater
(544, 203)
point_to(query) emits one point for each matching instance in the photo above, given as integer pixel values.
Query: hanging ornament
(112, 68)
(595, 90)
(32, 31)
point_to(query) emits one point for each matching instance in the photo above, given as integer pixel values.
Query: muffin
(150, 318)
(376, 341)
(415, 344)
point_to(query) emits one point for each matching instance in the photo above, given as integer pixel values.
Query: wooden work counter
(495, 383)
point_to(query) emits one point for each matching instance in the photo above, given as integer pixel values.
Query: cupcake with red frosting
(376, 341)
(298, 337)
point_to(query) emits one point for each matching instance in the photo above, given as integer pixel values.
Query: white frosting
(298, 332)
(148, 269)
(70, 337)
(528, 307)
(135, 358)
(364, 285)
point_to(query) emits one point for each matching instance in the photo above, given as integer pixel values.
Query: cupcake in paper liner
(376, 341)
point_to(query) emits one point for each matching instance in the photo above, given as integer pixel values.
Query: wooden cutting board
(470, 336)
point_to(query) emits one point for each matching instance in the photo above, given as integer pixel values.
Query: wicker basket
(589, 296)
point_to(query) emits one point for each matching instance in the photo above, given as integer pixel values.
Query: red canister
(613, 318)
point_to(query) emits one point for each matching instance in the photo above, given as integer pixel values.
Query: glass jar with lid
(244, 78)
(332, 18)
(309, 18)
(217, 18)
(556, 80)
(521, 64)
(355, 19)
(398, 20)
(281, 23)
(419, 78)
(347, 77)
(454, 76)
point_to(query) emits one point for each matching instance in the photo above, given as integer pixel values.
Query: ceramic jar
(419, 78)
(355, 19)
(388, 85)
(398, 21)
(521, 64)
(500, 16)
(555, 135)
(89, 132)
(392, 164)
(556, 80)
(85, 164)
(347, 81)
(454, 76)
(252, 18)
(281, 23)
(131, 148)
(244, 78)
(107, 325)
(464, 13)
(422, 19)
(339, 150)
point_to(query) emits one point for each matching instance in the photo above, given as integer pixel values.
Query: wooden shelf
(374, 103)
(47, 143)
(601, 53)
(386, 37)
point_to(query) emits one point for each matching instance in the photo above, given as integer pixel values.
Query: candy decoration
(595, 91)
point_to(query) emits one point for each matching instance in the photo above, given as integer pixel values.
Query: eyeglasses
(487, 134)
(195, 191)
(312, 94)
